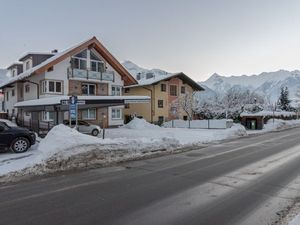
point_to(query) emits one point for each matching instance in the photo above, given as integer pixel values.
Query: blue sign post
(73, 109)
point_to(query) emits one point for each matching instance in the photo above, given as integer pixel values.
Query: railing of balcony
(91, 75)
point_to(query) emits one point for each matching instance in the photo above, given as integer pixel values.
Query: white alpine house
(86, 69)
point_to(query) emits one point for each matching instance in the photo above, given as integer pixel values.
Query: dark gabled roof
(155, 80)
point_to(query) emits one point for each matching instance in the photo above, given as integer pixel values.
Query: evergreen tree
(284, 101)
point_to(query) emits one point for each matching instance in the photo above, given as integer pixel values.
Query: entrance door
(251, 124)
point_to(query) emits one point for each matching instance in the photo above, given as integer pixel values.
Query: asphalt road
(179, 189)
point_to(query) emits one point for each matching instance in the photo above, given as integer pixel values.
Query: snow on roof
(155, 79)
(269, 113)
(34, 53)
(30, 71)
(14, 63)
(57, 100)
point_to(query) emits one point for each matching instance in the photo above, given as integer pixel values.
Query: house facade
(165, 92)
(87, 70)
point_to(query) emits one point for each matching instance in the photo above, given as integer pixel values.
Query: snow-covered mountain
(267, 84)
(3, 75)
(138, 71)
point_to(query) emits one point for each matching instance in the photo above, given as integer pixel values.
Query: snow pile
(62, 138)
(140, 124)
(278, 124)
(65, 148)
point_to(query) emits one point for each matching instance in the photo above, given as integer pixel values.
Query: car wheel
(95, 132)
(20, 145)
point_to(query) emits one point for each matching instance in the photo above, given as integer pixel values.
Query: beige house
(164, 91)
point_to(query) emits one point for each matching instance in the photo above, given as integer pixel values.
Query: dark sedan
(16, 138)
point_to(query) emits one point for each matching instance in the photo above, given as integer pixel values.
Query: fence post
(172, 123)
(189, 124)
(208, 124)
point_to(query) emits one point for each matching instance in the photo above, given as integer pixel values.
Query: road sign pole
(76, 116)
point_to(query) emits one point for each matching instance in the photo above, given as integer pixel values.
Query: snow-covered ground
(295, 221)
(276, 125)
(66, 148)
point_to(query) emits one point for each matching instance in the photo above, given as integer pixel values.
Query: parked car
(15, 138)
(85, 127)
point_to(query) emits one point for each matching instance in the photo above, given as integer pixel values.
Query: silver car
(85, 127)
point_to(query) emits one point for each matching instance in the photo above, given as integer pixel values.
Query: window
(88, 89)
(182, 89)
(47, 116)
(116, 114)
(97, 66)
(27, 65)
(13, 72)
(51, 87)
(163, 87)
(27, 88)
(79, 63)
(173, 90)
(116, 91)
(160, 103)
(89, 114)
(13, 92)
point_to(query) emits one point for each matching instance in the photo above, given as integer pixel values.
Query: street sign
(73, 99)
(73, 111)
(80, 102)
(64, 102)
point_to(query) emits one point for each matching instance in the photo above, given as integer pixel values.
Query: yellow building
(164, 92)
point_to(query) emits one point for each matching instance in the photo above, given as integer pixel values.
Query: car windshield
(4, 124)
(83, 123)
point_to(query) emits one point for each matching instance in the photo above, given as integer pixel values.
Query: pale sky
(197, 37)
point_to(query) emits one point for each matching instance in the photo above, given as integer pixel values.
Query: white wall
(12, 100)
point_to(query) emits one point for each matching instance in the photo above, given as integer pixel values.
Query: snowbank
(65, 148)
(295, 221)
(278, 124)
(140, 124)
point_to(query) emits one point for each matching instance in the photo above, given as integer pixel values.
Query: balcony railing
(91, 75)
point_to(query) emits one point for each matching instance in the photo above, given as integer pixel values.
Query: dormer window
(13, 72)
